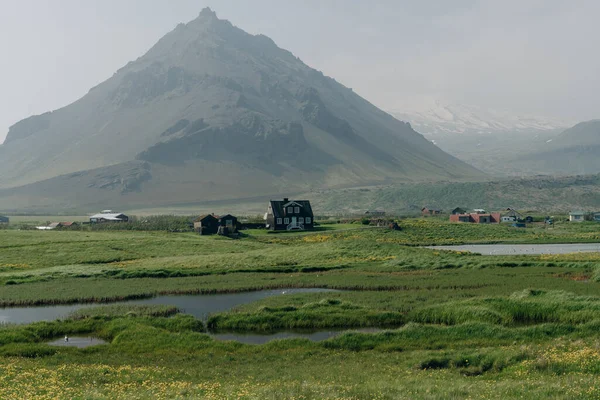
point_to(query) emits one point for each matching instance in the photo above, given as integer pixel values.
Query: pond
(523, 249)
(197, 305)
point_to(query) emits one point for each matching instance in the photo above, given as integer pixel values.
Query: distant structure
(4, 220)
(458, 210)
(477, 217)
(207, 224)
(108, 216)
(577, 216)
(289, 215)
(427, 211)
(228, 225)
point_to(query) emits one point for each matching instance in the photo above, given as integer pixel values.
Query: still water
(523, 249)
(197, 305)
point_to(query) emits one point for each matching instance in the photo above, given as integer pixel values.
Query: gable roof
(109, 217)
(227, 216)
(278, 205)
(206, 216)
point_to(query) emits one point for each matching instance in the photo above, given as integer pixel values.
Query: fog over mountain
(212, 112)
(572, 152)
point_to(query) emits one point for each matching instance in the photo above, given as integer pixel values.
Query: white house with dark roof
(108, 216)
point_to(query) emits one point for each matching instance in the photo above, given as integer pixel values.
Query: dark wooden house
(207, 224)
(3, 220)
(289, 215)
(458, 210)
(427, 211)
(228, 224)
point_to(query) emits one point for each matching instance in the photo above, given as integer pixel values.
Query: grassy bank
(456, 325)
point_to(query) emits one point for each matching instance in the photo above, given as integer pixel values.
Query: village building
(289, 215)
(511, 215)
(596, 216)
(4, 220)
(108, 216)
(207, 224)
(477, 218)
(459, 210)
(577, 216)
(227, 225)
(427, 211)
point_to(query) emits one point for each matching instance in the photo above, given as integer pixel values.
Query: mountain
(573, 152)
(435, 118)
(487, 139)
(212, 112)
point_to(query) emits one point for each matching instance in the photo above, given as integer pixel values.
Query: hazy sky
(528, 56)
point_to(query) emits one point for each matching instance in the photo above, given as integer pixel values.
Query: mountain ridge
(208, 94)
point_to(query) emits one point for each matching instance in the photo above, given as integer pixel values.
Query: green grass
(455, 325)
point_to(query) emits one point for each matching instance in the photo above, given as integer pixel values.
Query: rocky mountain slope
(212, 112)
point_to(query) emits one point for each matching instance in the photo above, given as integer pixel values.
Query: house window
(286, 221)
(290, 210)
(301, 220)
(297, 210)
(308, 220)
(278, 221)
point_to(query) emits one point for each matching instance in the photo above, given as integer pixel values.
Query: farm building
(108, 216)
(511, 212)
(596, 216)
(459, 210)
(427, 211)
(477, 218)
(227, 224)
(576, 216)
(289, 215)
(207, 224)
(3, 220)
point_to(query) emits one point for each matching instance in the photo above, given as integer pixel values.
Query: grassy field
(455, 325)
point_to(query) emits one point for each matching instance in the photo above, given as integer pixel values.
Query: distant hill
(544, 194)
(485, 138)
(213, 112)
(574, 151)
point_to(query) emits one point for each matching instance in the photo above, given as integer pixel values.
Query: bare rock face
(210, 97)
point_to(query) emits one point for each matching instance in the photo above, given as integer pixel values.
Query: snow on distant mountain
(437, 118)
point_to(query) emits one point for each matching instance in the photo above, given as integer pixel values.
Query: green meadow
(449, 325)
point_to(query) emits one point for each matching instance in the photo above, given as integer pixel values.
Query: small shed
(206, 224)
(596, 216)
(228, 224)
(4, 220)
(576, 216)
(426, 211)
